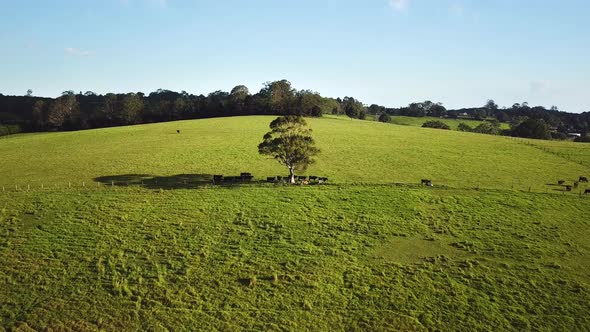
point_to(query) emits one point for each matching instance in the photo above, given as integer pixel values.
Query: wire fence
(582, 190)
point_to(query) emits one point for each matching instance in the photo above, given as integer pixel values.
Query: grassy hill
(352, 152)
(358, 254)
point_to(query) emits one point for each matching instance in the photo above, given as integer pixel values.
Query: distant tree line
(74, 111)
(524, 120)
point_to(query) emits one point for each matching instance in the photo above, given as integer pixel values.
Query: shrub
(436, 124)
(384, 117)
(558, 135)
(487, 128)
(9, 129)
(464, 127)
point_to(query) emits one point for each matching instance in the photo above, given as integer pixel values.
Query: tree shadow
(180, 181)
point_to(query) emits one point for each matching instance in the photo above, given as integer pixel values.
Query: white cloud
(399, 5)
(76, 52)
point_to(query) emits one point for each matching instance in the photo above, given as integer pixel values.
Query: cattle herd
(299, 179)
(567, 187)
(248, 177)
(244, 177)
(575, 185)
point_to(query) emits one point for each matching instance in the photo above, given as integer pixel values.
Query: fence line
(515, 186)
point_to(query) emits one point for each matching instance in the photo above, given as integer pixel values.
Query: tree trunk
(291, 175)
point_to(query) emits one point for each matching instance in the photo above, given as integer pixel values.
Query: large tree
(532, 128)
(63, 111)
(352, 107)
(279, 95)
(132, 108)
(290, 143)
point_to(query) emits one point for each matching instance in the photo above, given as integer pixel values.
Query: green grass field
(358, 254)
(352, 152)
(289, 258)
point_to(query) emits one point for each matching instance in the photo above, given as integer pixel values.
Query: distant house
(574, 135)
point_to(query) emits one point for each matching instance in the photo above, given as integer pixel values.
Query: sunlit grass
(319, 258)
(352, 152)
(173, 251)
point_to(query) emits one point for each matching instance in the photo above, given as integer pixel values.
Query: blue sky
(390, 52)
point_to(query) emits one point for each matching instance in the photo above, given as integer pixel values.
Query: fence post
(84, 184)
(69, 185)
(28, 187)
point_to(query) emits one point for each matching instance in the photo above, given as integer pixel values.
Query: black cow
(568, 188)
(583, 179)
(426, 182)
(270, 179)
(178, 131)
(217, 178)
(587, 191)
(313, 178)
(561, 182)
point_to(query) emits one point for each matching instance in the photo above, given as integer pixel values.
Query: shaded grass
(294, 258)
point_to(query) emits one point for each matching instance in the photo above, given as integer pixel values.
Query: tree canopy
(86, 110)
(533, 128)
(352, 107)
(290, 143)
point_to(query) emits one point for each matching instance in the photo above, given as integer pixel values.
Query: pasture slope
(371, 251)
(352, 152)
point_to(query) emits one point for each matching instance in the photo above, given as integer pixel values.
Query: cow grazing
(587, 191)
(426, 182)
(568, 188)
(561, 182)
(217, 178)
(270, 179)
(583, 179)
(178, 131)
(313, 178)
